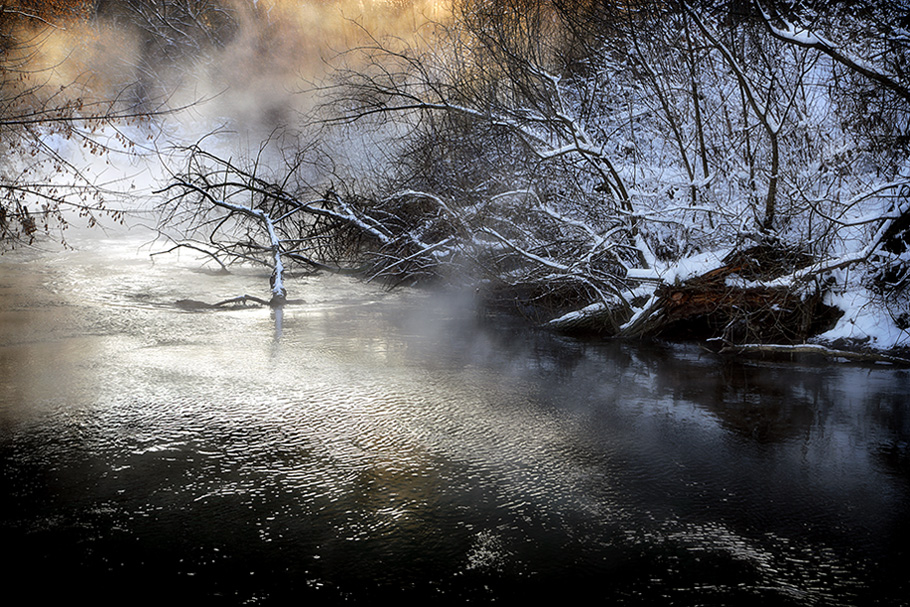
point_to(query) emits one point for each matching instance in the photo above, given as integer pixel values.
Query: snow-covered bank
(868, 321)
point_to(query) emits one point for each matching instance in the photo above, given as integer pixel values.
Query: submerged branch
(830, 353)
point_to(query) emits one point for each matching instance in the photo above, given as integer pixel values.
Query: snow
(577, 315)
(649, 275)
(695, 265)
(865, 320)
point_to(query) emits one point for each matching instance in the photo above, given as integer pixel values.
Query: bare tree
(52, 113)
(35, 111)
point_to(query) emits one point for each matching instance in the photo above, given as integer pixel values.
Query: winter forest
(734, 172)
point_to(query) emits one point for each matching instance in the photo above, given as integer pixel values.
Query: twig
(195, 248)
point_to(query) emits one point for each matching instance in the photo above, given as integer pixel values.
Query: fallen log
(732, 304)
(830, 353)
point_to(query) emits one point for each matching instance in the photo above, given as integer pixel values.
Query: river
(396, 446)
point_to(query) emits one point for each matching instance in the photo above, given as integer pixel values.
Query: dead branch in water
(186, 245)
(830, 353)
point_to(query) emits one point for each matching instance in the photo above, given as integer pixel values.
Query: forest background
(734, 172)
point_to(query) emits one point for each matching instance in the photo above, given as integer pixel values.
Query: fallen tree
(737, 303)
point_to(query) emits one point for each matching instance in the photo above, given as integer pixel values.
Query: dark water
(392, 446)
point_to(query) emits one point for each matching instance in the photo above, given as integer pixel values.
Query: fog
(247, 78)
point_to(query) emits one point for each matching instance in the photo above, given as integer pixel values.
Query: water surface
(393, 445)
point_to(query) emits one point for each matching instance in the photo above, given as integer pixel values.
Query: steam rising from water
(242, 73)
(254, 62)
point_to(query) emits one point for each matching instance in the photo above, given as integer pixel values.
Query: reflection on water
(393, 445)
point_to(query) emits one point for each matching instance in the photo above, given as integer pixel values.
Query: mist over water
(393, 444)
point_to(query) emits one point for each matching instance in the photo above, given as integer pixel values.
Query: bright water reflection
(390, 444)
